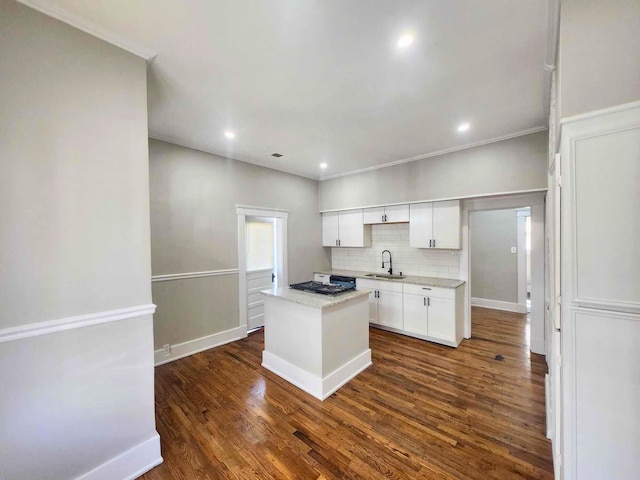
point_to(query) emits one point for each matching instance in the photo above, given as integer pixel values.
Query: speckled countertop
(429, 281)
(314, 300)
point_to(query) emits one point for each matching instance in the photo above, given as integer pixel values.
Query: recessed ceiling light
(463, 127)
(229, 134)
(405, 40)
(323, 165)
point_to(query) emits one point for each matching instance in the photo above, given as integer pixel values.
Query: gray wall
(74, 240)
(512, 165)
(599, 64)
(494, 269)
(194, 228)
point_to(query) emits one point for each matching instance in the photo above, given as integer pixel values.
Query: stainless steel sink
(385, 275)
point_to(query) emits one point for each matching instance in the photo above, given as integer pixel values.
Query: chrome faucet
(390, 262)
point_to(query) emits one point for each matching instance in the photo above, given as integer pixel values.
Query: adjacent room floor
(420, 411)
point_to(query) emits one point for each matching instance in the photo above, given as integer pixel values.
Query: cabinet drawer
(428, 291)
(378, 285)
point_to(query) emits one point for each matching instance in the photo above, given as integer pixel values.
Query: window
(260, 246)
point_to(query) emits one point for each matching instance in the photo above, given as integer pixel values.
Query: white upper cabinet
(393, 214)
(345, 229)
(446, 224)
(374, 215)
(435, 225)
(421, 225)
(330, 229)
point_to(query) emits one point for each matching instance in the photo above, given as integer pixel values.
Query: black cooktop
(322, 288)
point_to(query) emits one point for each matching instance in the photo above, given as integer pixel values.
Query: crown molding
(467, 146)
(91, 28)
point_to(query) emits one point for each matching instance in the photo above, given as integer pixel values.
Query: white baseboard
(198, 345)
(321, 388)
(336, 379)
(499, 305)
(130, 464)
(537, 345)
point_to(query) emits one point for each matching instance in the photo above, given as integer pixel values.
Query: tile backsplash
(410, 261)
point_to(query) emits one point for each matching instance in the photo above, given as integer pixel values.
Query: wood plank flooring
(420, 411)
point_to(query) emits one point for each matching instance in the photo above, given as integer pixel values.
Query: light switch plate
(513, 249)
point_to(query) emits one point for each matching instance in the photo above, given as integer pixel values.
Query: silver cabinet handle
(425, 301)
(426, 288)
(434, 243)
(428, 302)
(430, 241)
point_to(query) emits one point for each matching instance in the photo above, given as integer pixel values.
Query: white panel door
(396, 214)
(446, 224)
(330, 229)
(421, 225)
(442, 319)
(256, 281)
(373, 215)
(390, 309)
(351, 228)
(415, 314)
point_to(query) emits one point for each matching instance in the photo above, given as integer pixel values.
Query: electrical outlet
(166, 349)
(513, 250)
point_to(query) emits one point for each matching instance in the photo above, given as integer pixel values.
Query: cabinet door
(397, 213)
(390, 309)
(373, 307)
(446, 224)
(415, 314)
(442, 319)
(330, 225)
(373, 215)
(351, 228)
(420, 225)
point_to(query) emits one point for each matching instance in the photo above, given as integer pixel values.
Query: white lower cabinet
(430, 313)
(385, 302)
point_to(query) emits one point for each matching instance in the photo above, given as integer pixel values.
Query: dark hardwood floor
(420, 411)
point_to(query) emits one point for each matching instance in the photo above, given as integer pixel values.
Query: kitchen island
(316, 342)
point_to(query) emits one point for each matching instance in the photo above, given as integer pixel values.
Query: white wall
(517, 164)
(194, 228)
(494, 269)
(74, 210)
(410, 261)
(599, 62)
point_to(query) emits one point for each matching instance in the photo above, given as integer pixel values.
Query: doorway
(262, 259)
(536, 259)
(261, 266)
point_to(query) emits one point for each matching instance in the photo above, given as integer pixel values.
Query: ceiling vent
(277, 155)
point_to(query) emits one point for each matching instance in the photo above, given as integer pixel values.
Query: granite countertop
(314, 300)
(429, 281)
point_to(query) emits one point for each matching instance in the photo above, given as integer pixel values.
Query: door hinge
(273, 277)
(559, 299)
(559, 180)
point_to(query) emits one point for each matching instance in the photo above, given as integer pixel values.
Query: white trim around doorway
(280, 217)
(536, 202)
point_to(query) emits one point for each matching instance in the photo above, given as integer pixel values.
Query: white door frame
(282, 272)
(536, 202)
(522, 214)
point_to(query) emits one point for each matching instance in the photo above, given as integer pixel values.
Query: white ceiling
(324, 81)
